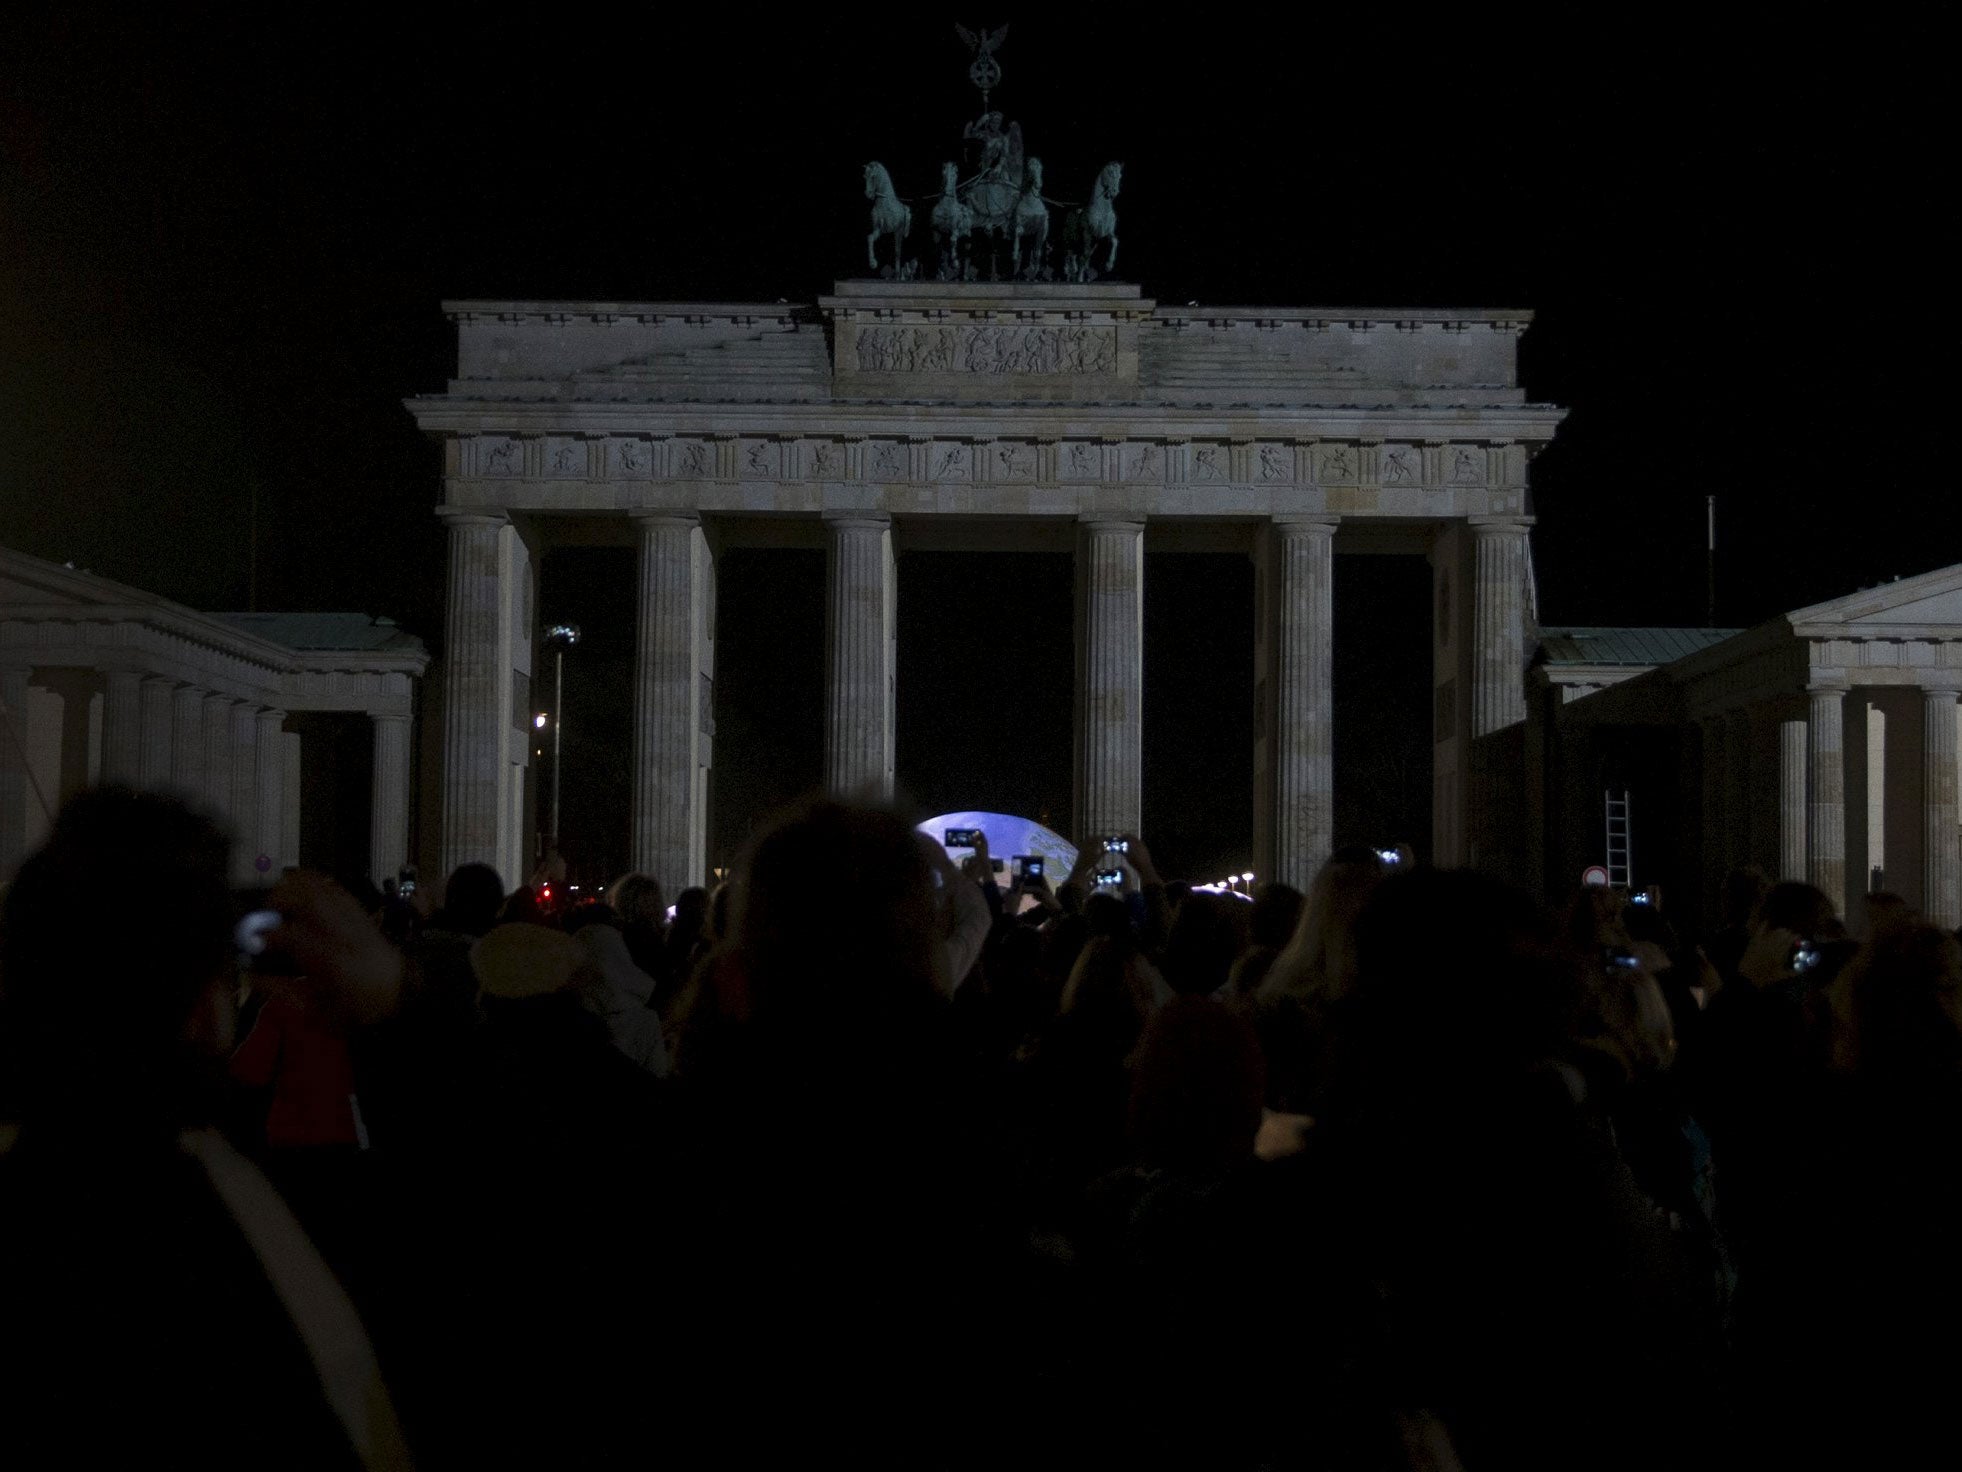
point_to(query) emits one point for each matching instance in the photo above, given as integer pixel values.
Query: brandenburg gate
(1022, 415)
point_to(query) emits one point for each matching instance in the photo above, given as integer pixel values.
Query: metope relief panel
(1273, 463)
(1208, 465)
(885, 460)
(689, 460)
(1337, 465)
(564, 457)
(823, 460)
(760, 460)
(1400, 465)
(1080, 460)
(499, 456)
(631, 459)
(1042, 351)
(1013, 461)
(1465, 465)
(949, 461)
(1143, 463)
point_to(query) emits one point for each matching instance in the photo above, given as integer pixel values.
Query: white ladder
(1619, 850)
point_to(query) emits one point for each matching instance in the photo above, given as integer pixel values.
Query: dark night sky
(222, 246)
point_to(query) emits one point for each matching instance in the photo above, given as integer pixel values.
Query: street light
(558, 638)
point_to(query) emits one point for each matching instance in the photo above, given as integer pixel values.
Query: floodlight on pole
(559, 638)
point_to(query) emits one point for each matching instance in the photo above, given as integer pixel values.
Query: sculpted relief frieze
(987, 350)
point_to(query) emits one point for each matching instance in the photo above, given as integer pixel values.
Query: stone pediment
(1931, 601)
(32, 582)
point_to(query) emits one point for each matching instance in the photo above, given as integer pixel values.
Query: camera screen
(1116, 846)
(1389, 856)
(961, 837)
(1110, 876)
(1032, 868)
(1639, 898)
(1805, 955)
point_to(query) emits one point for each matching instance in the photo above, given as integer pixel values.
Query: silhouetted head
(471, 899)
(1800, 908)
(837, 925)
(1276, 913)
(1196, 1089)
(1458, 975)
(639, 900)
(118, 957)
(1897, 1008)
(1320, 959)
(1207, 937)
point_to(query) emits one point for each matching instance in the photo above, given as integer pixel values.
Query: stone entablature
(880, 341)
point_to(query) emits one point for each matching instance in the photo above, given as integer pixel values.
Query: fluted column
(1110, 678)
(290, 766)
(388, 798)
(1791, 799)
(242, 801)
(474, 717)
(1825, 817)
(858, 686)
(122, 727)
(1303, 685)
(1498, 625)
(217, 787)
(269, 841)
(153, 760)
(187, 743)
(670, 835)
(14, 786)
(1942, 853)
(1716, 858)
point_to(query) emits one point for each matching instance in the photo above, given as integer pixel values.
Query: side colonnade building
(898, 415)
(1821, 745)
(103, 683)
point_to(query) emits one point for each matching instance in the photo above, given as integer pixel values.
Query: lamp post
(558, 638)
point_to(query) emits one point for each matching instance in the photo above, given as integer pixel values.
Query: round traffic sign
(1594, 877)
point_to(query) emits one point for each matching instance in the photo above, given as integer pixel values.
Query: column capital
(380, 716)
(657, 519)
(1499, 525)
(471, 516)
(268, 715)
(1091, 521)
(1820, 686)
(1311, 525)
(866, 520)
(1939, 689)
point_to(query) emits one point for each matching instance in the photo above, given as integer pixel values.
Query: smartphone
(1117, 845)
(1389, 856)
(1621, 958)
(1641, 897)
(1111, 877)
(962, 837)
(1029, 866)
(1805, 955)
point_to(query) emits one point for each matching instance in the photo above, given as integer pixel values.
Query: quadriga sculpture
(889, 217)
(1093, 225)
(953, 223)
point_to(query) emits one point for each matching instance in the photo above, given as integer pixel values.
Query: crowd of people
(867, 1158)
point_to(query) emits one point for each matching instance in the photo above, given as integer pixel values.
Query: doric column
(289, 818)
(388, 798)
(122, 727)
(1303, 686)
(858, 686)
(14, 785)
(187, 743)
(153, 763)
(1825, 817)
(1855, 765)
(1740, 736)
(1791, 799)
(670, 838)
(1498, 625)
(1714, 846)
(473, 715)
(242, 802)
(1109, 678)
(217, 787)
(1942, 856)
(269, 841)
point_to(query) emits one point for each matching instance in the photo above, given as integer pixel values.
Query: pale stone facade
(897, 415)
(1824, 744)
(104, 683)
